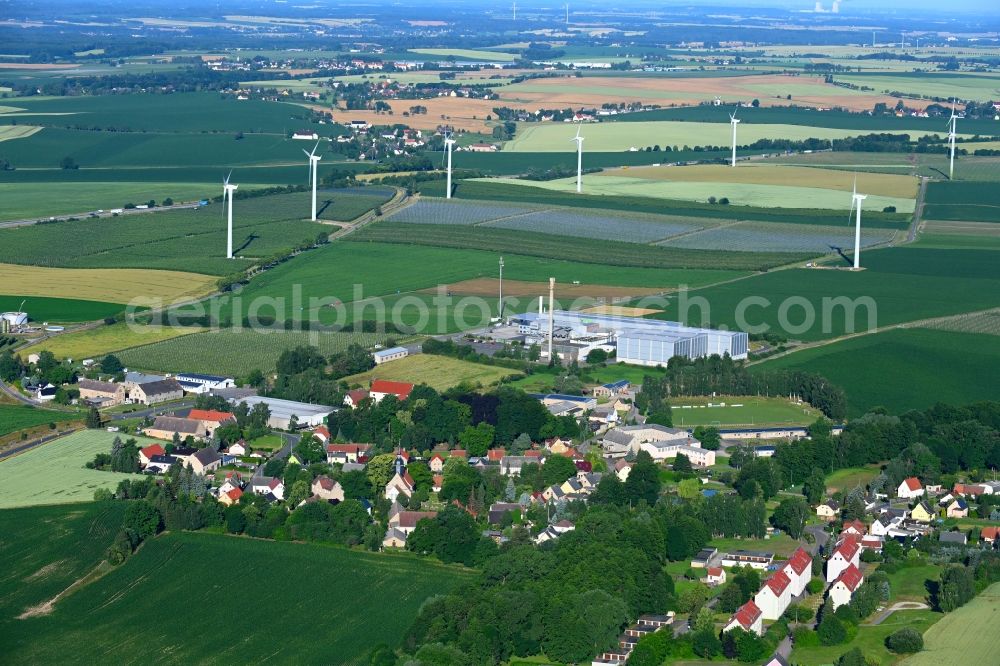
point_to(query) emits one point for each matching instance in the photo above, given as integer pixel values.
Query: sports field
(938, 366)
(102, 340)
(964, 636)
(164, 600)
(438, 372)
(54, 473)
(744, 411)
(235, 352)
(739, 194)
(17, 417)
(616, 137)
(111, 285)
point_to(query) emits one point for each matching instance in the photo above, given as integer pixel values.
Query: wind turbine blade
(315, 148)
(578, 131)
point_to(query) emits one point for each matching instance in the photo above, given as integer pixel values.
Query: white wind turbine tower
(579, 159)
(952, 123)
(448, 143)
(227, 193)
(734, 121)
(856, 200)
(313, 174)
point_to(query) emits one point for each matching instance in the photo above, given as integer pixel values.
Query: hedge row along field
(527, 194)
(191, 239)
(370, 598)
(612, 253)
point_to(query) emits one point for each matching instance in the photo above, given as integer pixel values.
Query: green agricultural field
(909, 583)
(898, 285)
(163, 601)
(731, 411)
(47, 549)
(527, 193)
(174, 113)
(870, 638)
(969, 201)
(739, 194)
(25, 201)
(609, 253)
(235, 352)
(944, 86)
(617, 137)
(59, 310)
(190, 239)
(18, 417)
(987, 323)
(850, 477)
(468, 54)
(938, 366)
(507, 163)
(102, 340)
(54, 473)
(438, 372)
(964, 636)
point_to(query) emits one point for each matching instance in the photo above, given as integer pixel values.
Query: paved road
(16, 395)
(290, 441)
(21, 448)
(94, 213)
(918, 211)
(902, 605)
(156, 410)
(820, 535)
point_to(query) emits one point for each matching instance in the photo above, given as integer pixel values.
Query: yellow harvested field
(8, 132)
(882, 184)
(106, 339)
(111, 285)
(438, 372)
(620, 311)
(459, 112)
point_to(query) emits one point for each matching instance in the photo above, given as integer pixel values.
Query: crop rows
(236, 352)
(977, 322)
(460, 212)
(772, 237)
(607, 227)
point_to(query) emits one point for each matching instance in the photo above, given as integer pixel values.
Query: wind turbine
(448, 143)
(227, 193)
(856, 200)
(313, 173)
(579, 159)
(952, 123)
(734, 121)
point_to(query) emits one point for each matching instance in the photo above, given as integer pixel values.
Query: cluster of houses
(660, 442)
(775, 595)
(142, 389)
(645, 625)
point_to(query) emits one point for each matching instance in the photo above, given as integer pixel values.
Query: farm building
(149, 392)
(612, 389)
(639, 341)
(381, 388)
(282, 412)
(393, 354)
(193, 382)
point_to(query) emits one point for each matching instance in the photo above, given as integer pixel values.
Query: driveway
(902, 605)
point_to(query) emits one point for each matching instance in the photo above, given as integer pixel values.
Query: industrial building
(636, 341)
(283, 411)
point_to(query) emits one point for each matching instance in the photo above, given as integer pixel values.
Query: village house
(347, 453)
(401, 525)
(322, 433)
(326, 488)
(231, 496)
(512, 465)
(238, 449)
(774, 596)
(847, 553)
(798, 568)
(989, 534)
(748, 558)
(210, 420)
(271, 488)
(436, 463)
(148, 393)
(847, 583)
(165, 427)
(146, 454)
(714, 576)
(748, 617)
(401, 483)
(612, 389)
(381, 388)
(354, 398)
(910, 488)
(160, 464)
(205, 461)
(957, 509)
(827, 511)
(957, 538)
(921, 513)
(100, 394)
(855, 527)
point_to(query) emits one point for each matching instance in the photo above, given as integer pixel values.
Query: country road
(94, 213)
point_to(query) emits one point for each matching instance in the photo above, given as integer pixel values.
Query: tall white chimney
(552, 298)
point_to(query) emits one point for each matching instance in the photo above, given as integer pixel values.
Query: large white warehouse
(637, 341)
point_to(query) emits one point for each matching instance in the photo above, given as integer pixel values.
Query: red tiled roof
(847, 548)
(913, 483)
(459, 453)
(322, 431)
(325, 482)
(991, 532)
(357, 395)
(411, 518)
(235, 494)
(968, 489)
(408, 480)
(347, 448)
(714, 571)
(799, 561)
(851, 577)
(778, 583)
(438, 480)
(856, 524)
(496, 454)
(210, 415)
(533, 453)
(438, 456)
(153, 450)
(747, 614)
(400, 389)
